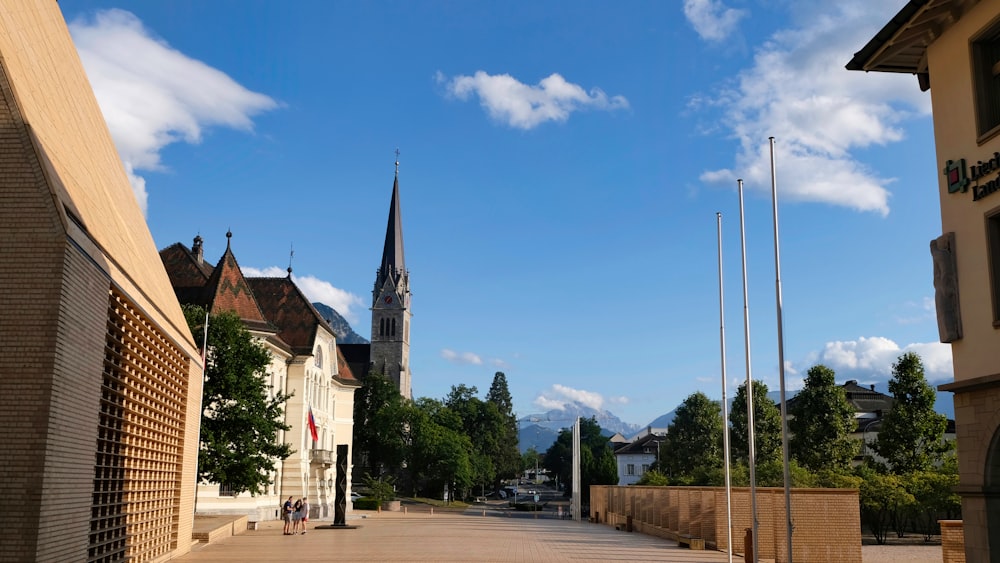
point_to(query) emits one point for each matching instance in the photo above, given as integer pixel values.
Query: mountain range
(341, 328)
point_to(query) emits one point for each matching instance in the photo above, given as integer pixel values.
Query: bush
(366, 503)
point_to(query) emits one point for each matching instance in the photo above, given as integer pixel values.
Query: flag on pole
(312, 426)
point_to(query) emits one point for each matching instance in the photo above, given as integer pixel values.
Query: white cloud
(871, 359)
(558, 395)
(711, 19)
(522, 106)
(497, 362)
(799, 92)
(468, 358)
(316, 290)
(153, 95)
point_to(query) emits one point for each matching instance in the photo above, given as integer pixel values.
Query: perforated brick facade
(98, 409)
(827, 522)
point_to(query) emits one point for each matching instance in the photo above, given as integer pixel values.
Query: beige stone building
(306, 363)
(99, 381)
(953, 47)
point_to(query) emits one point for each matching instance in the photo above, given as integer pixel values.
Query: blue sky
(561, 168)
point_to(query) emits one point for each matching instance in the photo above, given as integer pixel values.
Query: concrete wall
(827, 521)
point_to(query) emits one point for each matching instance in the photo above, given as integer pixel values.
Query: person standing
(286, 516)
(305, 513)
(296, 516)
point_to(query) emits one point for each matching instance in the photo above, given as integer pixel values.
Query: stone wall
(827, 522)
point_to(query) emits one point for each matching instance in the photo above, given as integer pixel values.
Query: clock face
(388, 300)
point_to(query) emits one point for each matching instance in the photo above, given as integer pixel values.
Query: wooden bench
(690, 541)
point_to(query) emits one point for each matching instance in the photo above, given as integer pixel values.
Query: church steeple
(393, 262)
(390, 340)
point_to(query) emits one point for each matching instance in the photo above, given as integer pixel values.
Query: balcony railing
(321, 457)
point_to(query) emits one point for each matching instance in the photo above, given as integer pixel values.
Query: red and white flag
(312, 426)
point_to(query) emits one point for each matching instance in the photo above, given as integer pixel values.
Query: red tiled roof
(285, 306)
(227, 290)
(183, 268)
(344, 373)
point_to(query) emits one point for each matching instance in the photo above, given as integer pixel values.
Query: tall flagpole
(575, 505)
(201, 406)
(751, 442)
(725, 401)
(781, 355)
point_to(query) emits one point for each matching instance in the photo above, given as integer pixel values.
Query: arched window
(394, 327)
(381, 327)
(318, 357)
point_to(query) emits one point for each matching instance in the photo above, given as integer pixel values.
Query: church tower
(390, 341)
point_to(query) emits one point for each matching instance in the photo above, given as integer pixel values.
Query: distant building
(953, 48)
(634, 458)
(99, 374)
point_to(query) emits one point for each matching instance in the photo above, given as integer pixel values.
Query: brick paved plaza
(450, 537)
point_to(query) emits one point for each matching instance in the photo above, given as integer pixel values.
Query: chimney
(873, 386)
(199, 252)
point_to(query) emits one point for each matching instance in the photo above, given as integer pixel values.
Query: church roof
(392, 252)
(285, 306)
(357, 357)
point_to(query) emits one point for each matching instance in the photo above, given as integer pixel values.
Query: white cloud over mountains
(152, 95)
(712, 20)
(557, 396)
(522, 106)
(799, 92)
(316, 290)
(871, 358)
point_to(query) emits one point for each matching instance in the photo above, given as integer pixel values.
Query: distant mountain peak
(341, 328)
(556, 419)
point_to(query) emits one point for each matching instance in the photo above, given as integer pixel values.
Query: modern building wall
(97, 410)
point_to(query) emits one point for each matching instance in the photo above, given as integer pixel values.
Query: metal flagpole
(781, 355)
(725, 401)
(575, 506)
(201, 406)
(751, 443)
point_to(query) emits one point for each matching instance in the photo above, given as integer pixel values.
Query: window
(993, 244)
(986, 80)
(630, 469)
(645, 467)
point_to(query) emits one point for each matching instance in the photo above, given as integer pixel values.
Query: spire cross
(291, 254)
(397, 161)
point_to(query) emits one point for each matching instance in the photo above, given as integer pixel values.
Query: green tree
(441, 455)
(653, 478)
(822, 422)
(767, 425)
(506, 458)
(694, 438)
(241, 414)
(912, 434)
(597, 461)
(380, 441)
(883, 498)
(934, 497)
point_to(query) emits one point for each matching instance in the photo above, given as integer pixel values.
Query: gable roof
(286, 307)
(344, 373)
(228, 290)
(648, 444)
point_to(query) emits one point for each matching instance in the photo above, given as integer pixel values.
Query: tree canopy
(380, 414)
(241, 413)
(694, 438)
(597, 461)
(822, 422)
(912, 434)
(767, 425)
